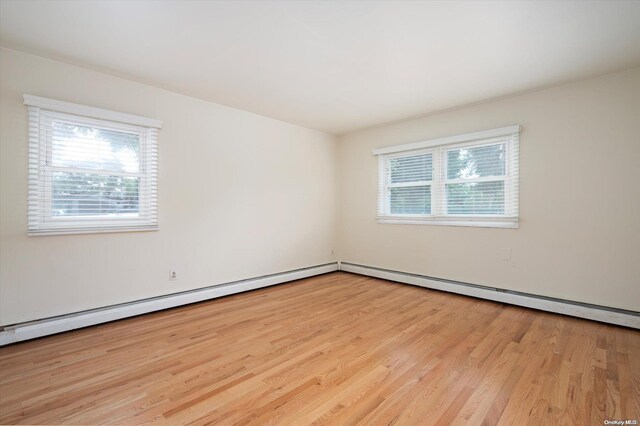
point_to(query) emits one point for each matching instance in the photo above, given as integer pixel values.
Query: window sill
(479, 222)
(105, 230)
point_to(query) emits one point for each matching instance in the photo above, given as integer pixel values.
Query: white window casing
(90, 170)
(463, 180)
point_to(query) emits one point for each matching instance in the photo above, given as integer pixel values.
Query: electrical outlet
(173, 275)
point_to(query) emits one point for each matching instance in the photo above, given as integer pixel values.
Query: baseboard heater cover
(592, 312)
(45, 327)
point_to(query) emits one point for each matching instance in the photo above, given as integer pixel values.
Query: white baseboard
(530, 301)
(45, 327)
(31, 330)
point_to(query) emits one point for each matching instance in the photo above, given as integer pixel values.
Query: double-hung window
(90, 170)
(465, 180)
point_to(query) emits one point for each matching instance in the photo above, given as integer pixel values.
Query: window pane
(410, 200)
(94, 148)
(476, 162)
(83, 194)
(411, 169)
(475, 198)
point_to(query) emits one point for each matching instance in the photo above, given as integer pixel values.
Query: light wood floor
(336, 349)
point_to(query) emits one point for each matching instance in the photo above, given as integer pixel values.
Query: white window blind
(90, 170)
(466, 180)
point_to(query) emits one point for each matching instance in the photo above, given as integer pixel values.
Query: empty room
(319, 212)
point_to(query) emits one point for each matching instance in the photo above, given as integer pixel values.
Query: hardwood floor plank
(334, 349)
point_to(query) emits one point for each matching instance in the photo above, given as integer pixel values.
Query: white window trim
(91, 112)
(467, 137)
(437, 147)
(39, 220)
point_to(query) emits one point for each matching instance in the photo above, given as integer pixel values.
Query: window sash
(409, 184)
(386, 184)
(47, 120)
(422, 185)
(481, 179)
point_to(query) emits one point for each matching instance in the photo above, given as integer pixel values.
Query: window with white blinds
(465, 180)
(90, 170)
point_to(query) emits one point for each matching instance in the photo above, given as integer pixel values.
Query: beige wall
(579, 236)
(240, 196)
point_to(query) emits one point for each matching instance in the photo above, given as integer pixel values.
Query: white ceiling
(336, 66)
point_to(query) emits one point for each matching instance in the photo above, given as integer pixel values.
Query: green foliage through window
(93, 171)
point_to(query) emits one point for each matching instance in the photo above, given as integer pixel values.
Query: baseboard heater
(45, 327)
(581, 310)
